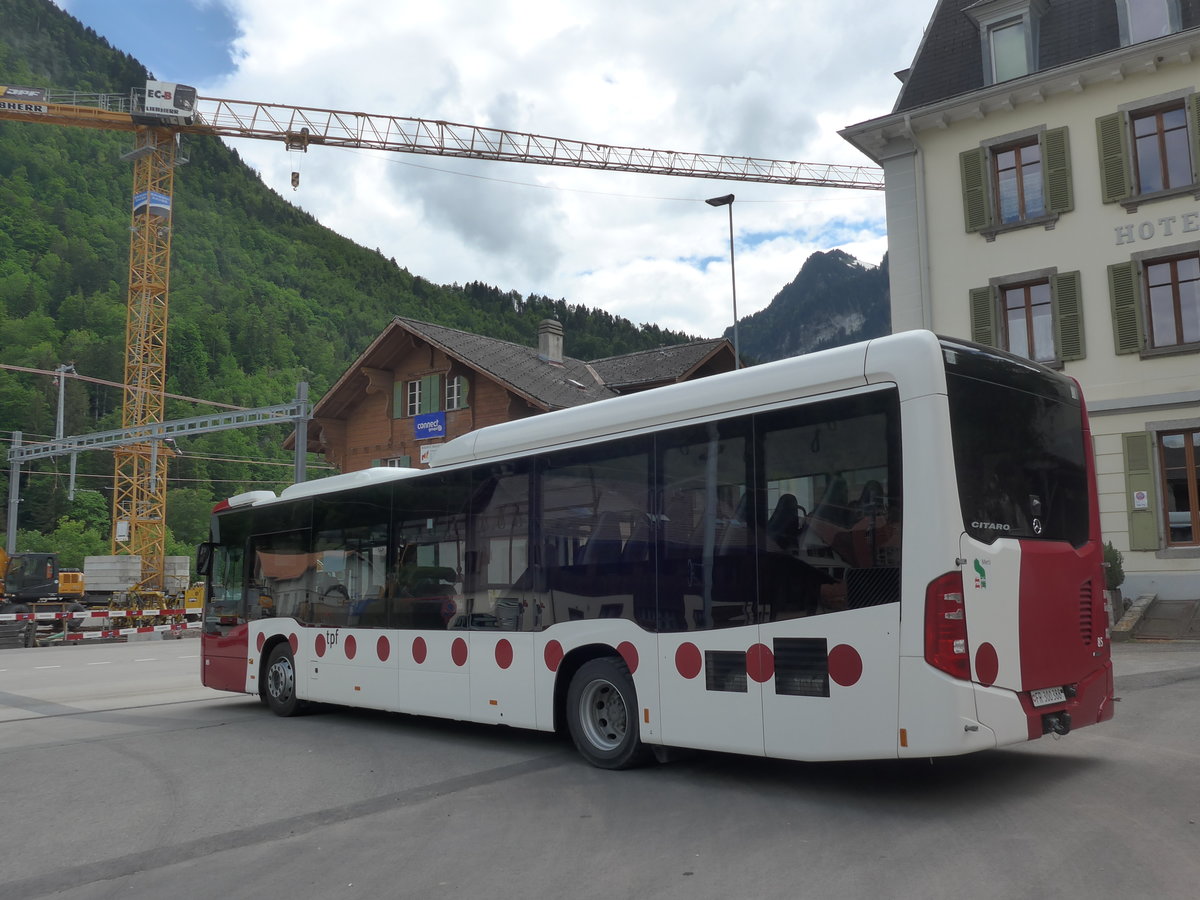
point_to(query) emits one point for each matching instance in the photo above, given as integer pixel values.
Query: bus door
(224, 640)
(712, 669)
(829, 577)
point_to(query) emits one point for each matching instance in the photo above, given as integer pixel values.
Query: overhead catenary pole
(14, 495)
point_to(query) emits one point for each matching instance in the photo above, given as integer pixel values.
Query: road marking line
(107, 662)
(47, 667)
(147, 659)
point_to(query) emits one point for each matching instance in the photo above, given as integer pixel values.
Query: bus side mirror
(204, 557)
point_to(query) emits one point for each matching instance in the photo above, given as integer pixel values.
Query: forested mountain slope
(262, 296)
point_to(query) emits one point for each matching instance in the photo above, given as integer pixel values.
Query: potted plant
(1114, 576)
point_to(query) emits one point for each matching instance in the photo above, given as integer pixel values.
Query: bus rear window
(1018, 450)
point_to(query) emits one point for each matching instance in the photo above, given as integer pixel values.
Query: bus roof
(869, 362)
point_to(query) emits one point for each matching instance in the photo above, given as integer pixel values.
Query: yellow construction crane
(158, 113)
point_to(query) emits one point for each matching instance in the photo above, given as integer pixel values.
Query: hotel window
(1038, 316)
(1008, 31)
(1156, 303)
(1179, 463)
(1145, 20)
(1008, 43)
(1013, 182)
(1149, 151)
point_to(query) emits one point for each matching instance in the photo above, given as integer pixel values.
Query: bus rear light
(946, 626)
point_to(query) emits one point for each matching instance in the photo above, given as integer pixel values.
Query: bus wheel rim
(280, 679)
(603, 715)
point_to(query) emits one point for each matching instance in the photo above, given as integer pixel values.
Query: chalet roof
(949, 61)
(660, 366)
(543, 384)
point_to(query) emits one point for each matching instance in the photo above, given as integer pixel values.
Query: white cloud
(754, 78)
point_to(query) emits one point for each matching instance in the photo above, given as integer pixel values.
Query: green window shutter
(1067, 303)
(1193, 111)
(398, 400)
(431, 393)
(1123, 290)
(1139, 476)
(1115, 181)
(983, 317)
(972, 166)
(463, 386)
(1056, 166)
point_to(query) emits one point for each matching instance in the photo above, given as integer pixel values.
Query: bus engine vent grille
(802, 667)
(1086, 612)
(725, 670)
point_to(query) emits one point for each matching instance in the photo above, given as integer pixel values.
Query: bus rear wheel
(602, 715)
(279, 686)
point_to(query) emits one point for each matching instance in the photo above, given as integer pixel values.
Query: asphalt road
(122, 777)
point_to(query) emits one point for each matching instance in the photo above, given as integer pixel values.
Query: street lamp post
(727, 200)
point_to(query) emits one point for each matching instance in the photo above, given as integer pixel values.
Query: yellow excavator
(35, 583)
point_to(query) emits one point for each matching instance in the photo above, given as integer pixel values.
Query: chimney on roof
(550, 341)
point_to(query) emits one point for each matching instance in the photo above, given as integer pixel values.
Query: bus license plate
(1046, 696)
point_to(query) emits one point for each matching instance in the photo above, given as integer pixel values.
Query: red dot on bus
(629, 654)
(504, 653)
(294, 643)
(351, 646)
(383, 649)
(553, 655)
(845, 665)
(458, 652)
(320, 645)
(688, 660)
(262, 639)
(419, 650)
(987, 665)
(760, 663)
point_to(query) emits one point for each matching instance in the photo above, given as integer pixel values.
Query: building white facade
(1043, 171)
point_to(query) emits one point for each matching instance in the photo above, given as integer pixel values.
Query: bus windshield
(1017, 433)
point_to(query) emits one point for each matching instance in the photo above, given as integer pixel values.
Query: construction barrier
(90, 614)
(123, 632)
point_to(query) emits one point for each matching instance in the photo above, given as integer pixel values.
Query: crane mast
(160, 112)
(140, 476)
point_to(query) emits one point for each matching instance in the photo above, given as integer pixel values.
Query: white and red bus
(889, 549)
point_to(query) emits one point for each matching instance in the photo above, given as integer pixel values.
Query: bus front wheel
(602, 715)
(279, 686)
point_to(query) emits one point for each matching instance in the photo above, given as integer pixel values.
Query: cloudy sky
(764, 78)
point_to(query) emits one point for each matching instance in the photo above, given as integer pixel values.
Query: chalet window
(1179, 463)
(456, 392)
(1145, 20)
(1038, 316)
(1156, 303)
(1149, 151)
(1018, 182)
(418, 396)
(412, 406)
